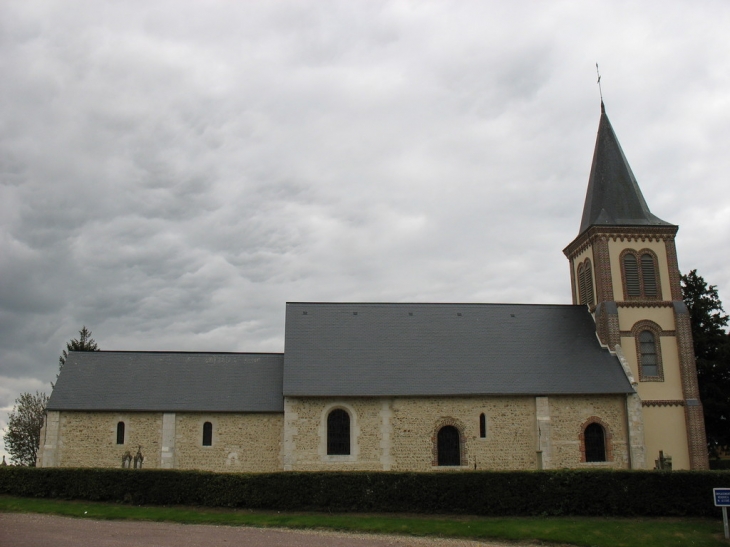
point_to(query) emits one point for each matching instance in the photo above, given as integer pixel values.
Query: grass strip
(580, 531)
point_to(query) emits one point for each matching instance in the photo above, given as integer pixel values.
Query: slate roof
(613, 197)
(169, 382)
(368, 349)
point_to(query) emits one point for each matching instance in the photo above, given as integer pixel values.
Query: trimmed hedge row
(609, 493)
(720, 464)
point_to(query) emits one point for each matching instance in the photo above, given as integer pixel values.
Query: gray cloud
(172, 173)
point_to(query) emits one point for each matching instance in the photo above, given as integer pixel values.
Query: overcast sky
(172, 173)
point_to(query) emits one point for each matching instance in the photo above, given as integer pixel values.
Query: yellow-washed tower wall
(623, 265)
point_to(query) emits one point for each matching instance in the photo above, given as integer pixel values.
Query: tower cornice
(616, 233)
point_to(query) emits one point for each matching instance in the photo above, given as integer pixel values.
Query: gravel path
(33, 530)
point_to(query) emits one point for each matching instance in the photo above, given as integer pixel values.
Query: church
(608, 381)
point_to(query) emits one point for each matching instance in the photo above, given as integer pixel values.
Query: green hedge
(610, 493)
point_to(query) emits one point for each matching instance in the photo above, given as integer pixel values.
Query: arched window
(647, 336)
(120, 433)
(449, 446)
(595, 443)
(338, 433)
(648, 355)
(640, 274)
(207, 434)
(482, 426)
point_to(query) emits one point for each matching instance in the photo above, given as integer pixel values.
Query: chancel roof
(372, 350)
(169, 382)
(613, 197)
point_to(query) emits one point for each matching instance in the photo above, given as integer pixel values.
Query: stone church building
(607, 382)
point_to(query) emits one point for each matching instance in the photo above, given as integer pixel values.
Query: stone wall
(510, 441)
(570, 414)
(305, 436)
(89, 439)
(48, 449)
(241, 442)
(400, 434)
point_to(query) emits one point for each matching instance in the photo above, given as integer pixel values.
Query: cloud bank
(171, 173)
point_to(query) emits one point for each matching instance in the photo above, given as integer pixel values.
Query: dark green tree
(712, 353)
(23, 433)
(83, 343)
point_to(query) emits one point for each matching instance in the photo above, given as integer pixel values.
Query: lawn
(583, 531)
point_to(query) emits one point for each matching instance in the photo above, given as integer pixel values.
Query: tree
(712, 354)
(83, 343)
(23, 433)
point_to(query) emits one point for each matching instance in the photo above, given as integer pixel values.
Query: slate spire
(613, 197)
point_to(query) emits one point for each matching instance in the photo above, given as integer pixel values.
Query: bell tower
(623, 266)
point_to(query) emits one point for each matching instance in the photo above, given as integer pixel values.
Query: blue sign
(722, 497)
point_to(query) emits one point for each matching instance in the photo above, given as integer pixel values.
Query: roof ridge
(433, 304)
(184, 352)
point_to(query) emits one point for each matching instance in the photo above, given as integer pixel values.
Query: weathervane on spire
(600, 91)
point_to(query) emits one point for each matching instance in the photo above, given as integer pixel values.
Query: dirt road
(32, 530)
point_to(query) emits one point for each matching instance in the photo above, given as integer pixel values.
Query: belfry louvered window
(588, 282)
(647, 345)
(631, 273)
(338, 433)
(585, 283)
(581, 285)
(648, 275)
(640, 275)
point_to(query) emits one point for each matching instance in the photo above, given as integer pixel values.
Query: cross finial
(600, 91)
